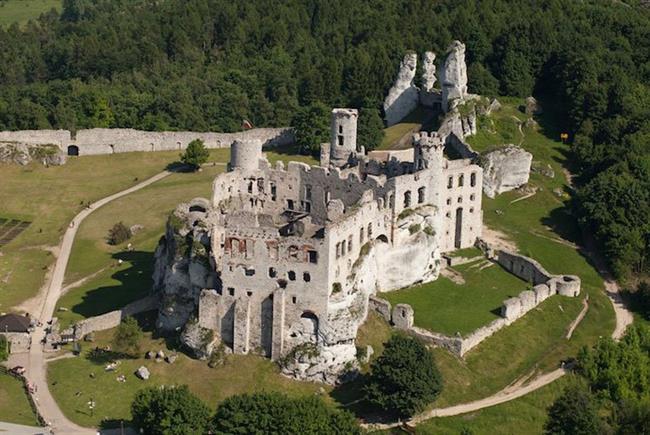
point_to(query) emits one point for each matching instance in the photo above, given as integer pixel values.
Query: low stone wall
(545, 286)
(20, 342)
(120, 140)
(381, 306)
(113, 319)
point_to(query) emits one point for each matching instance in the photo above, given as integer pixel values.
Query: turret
(427, 151)
(343, 142)
(245, 155)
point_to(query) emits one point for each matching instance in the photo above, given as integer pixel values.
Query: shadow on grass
(135, 283)
(108, 425)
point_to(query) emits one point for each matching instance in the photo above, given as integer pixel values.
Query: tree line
(207, 64)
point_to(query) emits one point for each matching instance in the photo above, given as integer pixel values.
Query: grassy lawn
(14, 407)
(500, 127)
(21, 11)
(72, 384)
(418, 119)
(446, 307)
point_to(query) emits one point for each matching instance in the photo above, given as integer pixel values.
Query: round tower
(427, 151)
(245, 155)
(343, 142)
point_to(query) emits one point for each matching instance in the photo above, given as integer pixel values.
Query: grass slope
(446, 307)
(21, 11)
(14, 407)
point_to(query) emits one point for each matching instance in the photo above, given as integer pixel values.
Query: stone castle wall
(113, 318)
(98, 141)
(20, 341)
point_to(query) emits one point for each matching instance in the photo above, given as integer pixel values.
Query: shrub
(127, 337)
(120, 233)
(276, 413)
(169, 411)
(336, 288)
(573, 413)
(404, 379)
(5, 348)
(195, 154)
(414, 228)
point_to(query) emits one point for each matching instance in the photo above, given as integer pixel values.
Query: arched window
(407, 199)
(292, 275)
(421, 194)
(461, 180)
(472, 179)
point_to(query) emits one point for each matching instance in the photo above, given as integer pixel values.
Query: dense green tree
(127, 337)
(405, 378)
(195, 154)
(370, 128)
(312, 127)
(573, 413)
(169, 411)
(4, 348)
(275, 413)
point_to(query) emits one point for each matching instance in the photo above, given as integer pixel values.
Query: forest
(208, 64)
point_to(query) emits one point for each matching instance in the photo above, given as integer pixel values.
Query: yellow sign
(564, 136)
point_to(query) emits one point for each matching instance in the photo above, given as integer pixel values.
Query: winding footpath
(37, 363)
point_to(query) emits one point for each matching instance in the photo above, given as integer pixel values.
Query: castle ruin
(282, 261)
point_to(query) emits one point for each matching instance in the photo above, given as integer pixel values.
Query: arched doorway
(73, 150)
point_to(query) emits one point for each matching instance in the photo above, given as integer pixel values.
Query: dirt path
(577, 320)
(37, 363)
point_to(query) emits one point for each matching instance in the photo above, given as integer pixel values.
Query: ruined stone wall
(523, 267)
(461, 190)
(380, 306)
(113, 318)
(119, 140)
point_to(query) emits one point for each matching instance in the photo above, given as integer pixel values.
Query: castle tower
(427, 151)
(343, 142)
(245, 155)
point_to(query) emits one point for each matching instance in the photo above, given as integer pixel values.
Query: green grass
(415, 121)
(526, 415)
(72, 385)
(21, 11)
(14, 406)
(446, 307)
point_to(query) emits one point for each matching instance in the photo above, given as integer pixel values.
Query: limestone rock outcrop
(23, 154)
(505, 169)
(453, 76)
(403, 96)
(428, 71)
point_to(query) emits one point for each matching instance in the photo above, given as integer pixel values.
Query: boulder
(453, 76)
(532, 107)
(143, 373)
(403, 96)
(505, 169)
(171, 359)
(494, 106)
(150, 355)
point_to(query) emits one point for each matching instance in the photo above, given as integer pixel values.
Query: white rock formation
(453, 76)
(505, 169)
(143, 373)
(428, 71)
(23, 154)
(403, 96)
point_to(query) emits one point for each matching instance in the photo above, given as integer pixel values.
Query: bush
(127, 337)
(120, 233)
(272, 413)
(169, 411)
(5, 348)
(195, 154)
(405, 378)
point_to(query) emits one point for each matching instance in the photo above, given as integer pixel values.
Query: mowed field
(21, 11)
(14, 407)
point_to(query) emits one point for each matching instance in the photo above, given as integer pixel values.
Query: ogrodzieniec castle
(286, 261)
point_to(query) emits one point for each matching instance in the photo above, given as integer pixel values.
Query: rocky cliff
(505, 169)
(403, 96)
(23, 154)
(453, 76)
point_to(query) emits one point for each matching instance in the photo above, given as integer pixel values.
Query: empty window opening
(461, 180)
(340, 140)
(327, 196)
(292, 275)
(308, 192)
(350, 244)
(250, 186)
(460, 200)
(343, 246)
(340, 129)
(369, 230)
(407, 198)
(294, 299)
(274, 192)
(231, 291)
(290, 204)
(472, 197)
(260, 185)
(403, 313)
(421, 194)
(219, 291)
(362, 234)
(313, 256)
(272, 272)
(73, 150)
(472, 179)
(471, 210)
(338, 250)
(249, 293)
(448, 201)
(306, 277)
(450, 182)
(282, 283)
